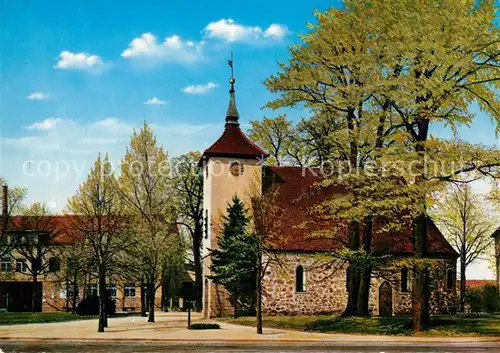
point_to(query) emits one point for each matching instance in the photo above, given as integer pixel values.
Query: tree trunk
(420, 292)
(102, 299)
(164, 290)
(354, 273)
(143, 300)
(198, 269)
(235, 305)
(35, 292)
(366, 272)
(258, 289)
(353, 227)
(151, 299)
(75, 294)
(463, 279)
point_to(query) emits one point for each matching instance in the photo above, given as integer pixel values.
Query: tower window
(236, 168)
(300, 279)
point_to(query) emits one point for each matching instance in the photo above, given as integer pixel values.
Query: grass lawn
(441, 325)
(32, 318)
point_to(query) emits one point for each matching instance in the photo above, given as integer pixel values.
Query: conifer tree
(234, 259)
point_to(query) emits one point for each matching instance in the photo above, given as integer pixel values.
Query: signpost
(188, 293)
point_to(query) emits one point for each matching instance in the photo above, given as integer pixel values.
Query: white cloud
(38, 96)
(230, 31)
(173, 49)
(44, 125)
(155, 101)
(276, 31)
(79, 61)
(199, 89)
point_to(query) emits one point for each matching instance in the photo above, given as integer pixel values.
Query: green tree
(374, 71)
(187, 182)
(145, 188)
(467, 224)
(103, 226)
(234, 260)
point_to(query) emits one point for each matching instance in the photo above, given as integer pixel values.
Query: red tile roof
(62, 227)
(474, 283)
(234, 143)
(296, 195)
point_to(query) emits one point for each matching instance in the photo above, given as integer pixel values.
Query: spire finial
(232, 112)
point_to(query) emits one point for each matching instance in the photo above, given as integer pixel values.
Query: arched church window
(405, 279)
(450, 279)
(300, 279)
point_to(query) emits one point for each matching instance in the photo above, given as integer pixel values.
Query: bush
(246, 312)
(90, 306)
(483, 299)
(205, 326)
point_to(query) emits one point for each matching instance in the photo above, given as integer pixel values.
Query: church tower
(231, 166)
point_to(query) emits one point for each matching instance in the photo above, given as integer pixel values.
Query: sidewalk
(171, 327)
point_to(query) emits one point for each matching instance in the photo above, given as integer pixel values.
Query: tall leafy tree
(274, 135)
(467, 224)
(146, 191)
(363, 63)
(336, 74)
(234, 260)
(103, 225)
(188, 185)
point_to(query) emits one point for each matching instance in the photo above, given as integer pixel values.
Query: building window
(72, 289)
(450, 279)
(129, 290)
(63, 293)
(67, 291)
(21, 265)
(92, 290)
(6, 264)
(300, 279)
(54, 264)
(111, 290)
(405, 280)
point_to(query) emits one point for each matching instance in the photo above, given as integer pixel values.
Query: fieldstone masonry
(326, 290)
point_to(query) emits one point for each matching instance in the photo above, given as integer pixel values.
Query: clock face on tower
(236, 168)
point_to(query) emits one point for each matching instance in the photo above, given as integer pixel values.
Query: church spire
(232, 112)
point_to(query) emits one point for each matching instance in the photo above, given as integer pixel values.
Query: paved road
(122, 347)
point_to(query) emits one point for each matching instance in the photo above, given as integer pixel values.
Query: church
(306, 280)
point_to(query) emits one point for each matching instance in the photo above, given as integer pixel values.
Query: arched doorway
(385, 299)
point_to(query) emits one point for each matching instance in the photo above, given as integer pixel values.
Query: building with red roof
(308, 279)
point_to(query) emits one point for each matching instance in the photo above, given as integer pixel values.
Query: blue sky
(76, 77)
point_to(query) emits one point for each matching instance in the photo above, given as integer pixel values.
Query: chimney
(5, 198)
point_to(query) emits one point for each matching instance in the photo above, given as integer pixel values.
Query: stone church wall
(326, 291)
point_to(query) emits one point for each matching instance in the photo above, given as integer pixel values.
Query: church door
(385, 299)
